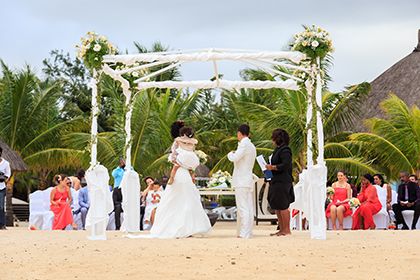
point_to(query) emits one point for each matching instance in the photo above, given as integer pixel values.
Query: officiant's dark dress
(281, 194)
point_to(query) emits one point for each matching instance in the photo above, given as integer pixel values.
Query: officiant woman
(281, 194)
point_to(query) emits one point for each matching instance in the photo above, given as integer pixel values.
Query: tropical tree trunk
(9, 195)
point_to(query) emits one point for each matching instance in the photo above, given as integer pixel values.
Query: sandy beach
(351, 254)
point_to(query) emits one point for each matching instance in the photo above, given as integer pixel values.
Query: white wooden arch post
(313, 179)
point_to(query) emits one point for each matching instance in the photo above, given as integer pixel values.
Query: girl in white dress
(153, 197)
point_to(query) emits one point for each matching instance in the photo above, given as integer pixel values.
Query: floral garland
(219, 178)
(314, 42)
(92, 49)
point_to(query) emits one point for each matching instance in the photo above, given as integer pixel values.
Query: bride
(180, 213)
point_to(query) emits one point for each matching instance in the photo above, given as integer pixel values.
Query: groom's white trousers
(245, 214)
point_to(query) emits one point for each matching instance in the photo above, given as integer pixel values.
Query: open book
(262, 163)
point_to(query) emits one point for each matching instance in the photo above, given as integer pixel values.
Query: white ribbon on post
(94, 125)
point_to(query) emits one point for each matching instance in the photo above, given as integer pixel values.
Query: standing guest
(117, 198)
(408, 199)
(152, 202)
(5, 174)
(280, 193)
(164, 181)
(379, 180)
(84, 204)
(60, 200)
(242, 179)
(413, 178)
(339, 206)
(369, 205)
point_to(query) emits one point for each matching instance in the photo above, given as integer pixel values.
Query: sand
(377, 254)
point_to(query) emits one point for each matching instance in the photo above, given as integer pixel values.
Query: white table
(217, 192)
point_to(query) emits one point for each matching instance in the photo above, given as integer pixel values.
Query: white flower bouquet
(313, 41)
(330, 191)
(92, 49)
(202, 156)
(220, 178)
(354, 202)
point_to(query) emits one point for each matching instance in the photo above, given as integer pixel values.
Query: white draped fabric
(130, 188)
(101, 203)
(203, 55)
(224, 84)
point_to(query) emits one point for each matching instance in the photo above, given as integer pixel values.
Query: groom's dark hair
(244, 129)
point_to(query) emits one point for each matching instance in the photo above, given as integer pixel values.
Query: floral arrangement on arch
(219, 178)
(202, 156)
(92, 49)
(313, 42)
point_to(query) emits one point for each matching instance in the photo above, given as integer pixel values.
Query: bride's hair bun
(176, 127)
(186, 131)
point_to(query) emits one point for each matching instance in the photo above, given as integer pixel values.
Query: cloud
(369, 35)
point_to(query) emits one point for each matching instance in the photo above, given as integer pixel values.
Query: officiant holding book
(243, 180)
(281, 194)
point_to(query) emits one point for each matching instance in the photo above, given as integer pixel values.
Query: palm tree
(393, 143)
(31, 125)
(266, 110)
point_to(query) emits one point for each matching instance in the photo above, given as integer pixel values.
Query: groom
(243, 181)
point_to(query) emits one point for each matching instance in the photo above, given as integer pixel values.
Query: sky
(368, 36)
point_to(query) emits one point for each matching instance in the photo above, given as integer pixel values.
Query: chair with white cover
(408, 216)
(40, 215)
(394, 200)
(219, 211)
(111, 221)
(347, 222)
(381, 218)
(75, 207)
(230, 214)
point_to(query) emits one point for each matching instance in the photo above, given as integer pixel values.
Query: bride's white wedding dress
(180, 213)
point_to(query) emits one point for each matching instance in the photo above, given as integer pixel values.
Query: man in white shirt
(243, 180)
(5, 174)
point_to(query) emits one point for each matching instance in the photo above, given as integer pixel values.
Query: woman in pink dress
(61, 199)
(339, 206)
(369, 205)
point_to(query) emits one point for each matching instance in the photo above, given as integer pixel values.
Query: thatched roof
(402, 79)
(16, 162)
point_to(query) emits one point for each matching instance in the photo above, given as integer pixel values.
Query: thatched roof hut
(16, 162)
(402, 79)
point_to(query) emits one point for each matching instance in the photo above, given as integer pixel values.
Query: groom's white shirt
(243, 159)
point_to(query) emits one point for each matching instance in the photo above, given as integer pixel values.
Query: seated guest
(369, 205)
(77, 181)
(379, 180)
(60, 200)
(413, 178)
(339, 206)
(152, 202)
(84, 204)
(408, 199)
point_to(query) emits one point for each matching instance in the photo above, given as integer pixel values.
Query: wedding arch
(135, 72)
